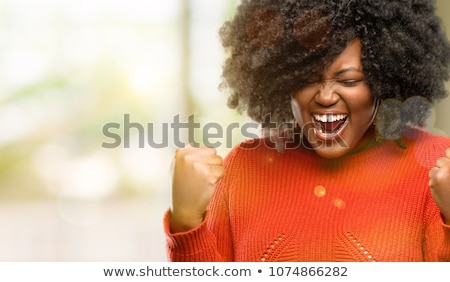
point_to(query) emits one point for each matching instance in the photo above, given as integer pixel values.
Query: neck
(367, 141)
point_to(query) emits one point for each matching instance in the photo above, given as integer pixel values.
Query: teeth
(329, 118)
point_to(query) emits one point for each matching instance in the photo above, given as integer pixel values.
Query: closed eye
(349, 83)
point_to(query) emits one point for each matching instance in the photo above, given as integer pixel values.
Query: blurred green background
(68, 68)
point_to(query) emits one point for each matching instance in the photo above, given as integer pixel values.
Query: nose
(326, 95)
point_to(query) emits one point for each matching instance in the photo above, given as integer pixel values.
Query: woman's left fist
(440, 184)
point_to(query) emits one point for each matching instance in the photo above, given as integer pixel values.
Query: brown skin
(196, 170)
(341, 90)
(440, 185)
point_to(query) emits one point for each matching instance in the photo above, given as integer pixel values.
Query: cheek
(362, 114)
(361, 103)
(303, 100)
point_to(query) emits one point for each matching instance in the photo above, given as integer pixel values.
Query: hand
(196, 171)
(440, 184)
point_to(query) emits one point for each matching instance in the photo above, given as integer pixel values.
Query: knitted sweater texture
(373, 205)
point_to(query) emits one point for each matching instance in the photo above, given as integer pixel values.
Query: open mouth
(329, 125)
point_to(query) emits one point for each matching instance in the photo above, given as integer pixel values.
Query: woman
(355, 179)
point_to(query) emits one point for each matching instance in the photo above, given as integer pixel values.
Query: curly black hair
(273, 47)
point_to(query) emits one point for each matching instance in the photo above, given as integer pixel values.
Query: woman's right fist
(195, 173)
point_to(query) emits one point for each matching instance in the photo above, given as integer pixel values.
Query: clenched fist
(440, 184)
(195, 173)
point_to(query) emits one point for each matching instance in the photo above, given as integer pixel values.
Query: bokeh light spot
(338, 203)
(320, 191)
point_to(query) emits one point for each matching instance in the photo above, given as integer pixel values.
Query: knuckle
(218, 159)
(210, 150)
(432, 171)
(189, 158)
(443, 162)
(442, 177)
(220, 172)
(180, 152)
(198, 166)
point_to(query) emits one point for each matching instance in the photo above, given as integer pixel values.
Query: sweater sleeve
(196, 245)
(437, 233)
(211, 240)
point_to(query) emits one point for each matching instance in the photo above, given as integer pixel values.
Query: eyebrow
(339, 72)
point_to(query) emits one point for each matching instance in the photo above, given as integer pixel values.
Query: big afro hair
(273, 46)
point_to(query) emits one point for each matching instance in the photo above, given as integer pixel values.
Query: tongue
(330, 127)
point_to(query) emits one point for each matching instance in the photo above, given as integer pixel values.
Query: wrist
(446, 220)
(183, 222)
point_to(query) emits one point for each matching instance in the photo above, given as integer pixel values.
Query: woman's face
(336, 110)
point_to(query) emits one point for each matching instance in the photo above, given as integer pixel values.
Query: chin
(331, 153)
(329, 148)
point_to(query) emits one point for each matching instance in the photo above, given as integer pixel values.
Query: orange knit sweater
(373, 205)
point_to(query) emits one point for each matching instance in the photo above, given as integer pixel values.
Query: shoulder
(243, 162)
(265, 151)
(424, 138)
(254, 151)
(426, 146)
(249, 148)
